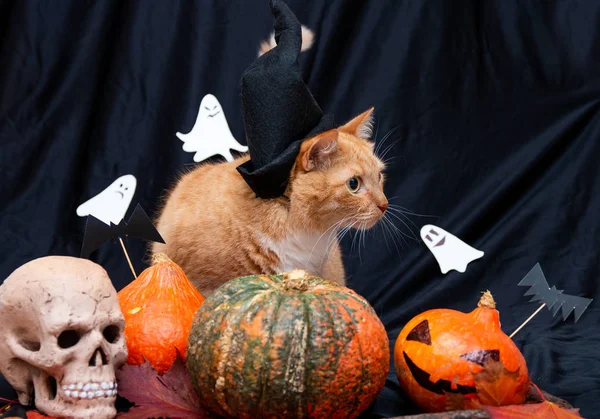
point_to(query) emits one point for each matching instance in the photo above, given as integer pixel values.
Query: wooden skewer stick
(128, 260)
(527, 321)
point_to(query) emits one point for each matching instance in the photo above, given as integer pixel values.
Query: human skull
(62, 331)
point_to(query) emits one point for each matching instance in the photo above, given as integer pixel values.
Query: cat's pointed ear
(360, 126)
(318, 151)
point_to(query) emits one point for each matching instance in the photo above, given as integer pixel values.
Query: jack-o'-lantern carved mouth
(421, 334)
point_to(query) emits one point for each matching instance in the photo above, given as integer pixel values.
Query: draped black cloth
(493, 111)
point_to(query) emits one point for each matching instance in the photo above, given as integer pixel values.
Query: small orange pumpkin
(159, 307)
(444, 355)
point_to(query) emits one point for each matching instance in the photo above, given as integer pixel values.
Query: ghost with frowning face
(210, 135)
(449, 251)
(110, 205)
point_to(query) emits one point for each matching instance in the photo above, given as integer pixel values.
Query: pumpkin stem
(297, 280)
(160, 257)
(539, 392)
(486, 301)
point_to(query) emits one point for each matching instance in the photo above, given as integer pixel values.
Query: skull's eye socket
(112, 333)
(68, 339)
(27, 340)
(31, 345)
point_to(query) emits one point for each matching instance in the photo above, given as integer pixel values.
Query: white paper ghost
(210, 135)
(110, 205)
(449, 251)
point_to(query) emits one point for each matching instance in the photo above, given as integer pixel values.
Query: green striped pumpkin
(287, 346)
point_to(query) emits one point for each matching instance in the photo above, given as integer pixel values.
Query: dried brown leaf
(454, 401)
(495, 384)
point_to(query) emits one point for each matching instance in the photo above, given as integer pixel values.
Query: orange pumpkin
(442, 356)
(287, 346)
(159, 307)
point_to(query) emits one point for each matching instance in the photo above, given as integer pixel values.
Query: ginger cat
(216, 229)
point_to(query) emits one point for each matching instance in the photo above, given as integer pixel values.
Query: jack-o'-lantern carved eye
(420, 333)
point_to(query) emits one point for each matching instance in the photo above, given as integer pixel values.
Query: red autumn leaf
(169, 395)
(495, 384)
(546, 410)
(34, 414)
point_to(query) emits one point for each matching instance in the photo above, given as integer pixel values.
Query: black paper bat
(552, 297)
(97, 232)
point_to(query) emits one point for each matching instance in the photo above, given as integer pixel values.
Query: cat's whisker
(375, 137)
(402, 214)
(344, 232)
(337, 234)
(351, 227)
(393, 236)
(406, 210)
(357, 234)
(395, 230)
(387, 150)
(387, 229)
(336, 239)
(383, 226)
(354, 240)
(362, 234)
(328, 245)
(347, 230)
(334, 228)
(412, 236)
(384, 139)
(362, 219)
(396, 233)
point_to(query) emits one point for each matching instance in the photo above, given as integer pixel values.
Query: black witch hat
(278, 109)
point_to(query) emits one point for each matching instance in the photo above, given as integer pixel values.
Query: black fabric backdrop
(495, 107)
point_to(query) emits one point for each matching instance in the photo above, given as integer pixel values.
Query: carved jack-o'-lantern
(443, 356)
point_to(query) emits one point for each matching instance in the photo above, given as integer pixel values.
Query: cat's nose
(383, 207)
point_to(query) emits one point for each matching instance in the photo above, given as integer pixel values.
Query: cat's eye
(353, 184)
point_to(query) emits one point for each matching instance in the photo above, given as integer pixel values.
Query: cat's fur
(216, 229)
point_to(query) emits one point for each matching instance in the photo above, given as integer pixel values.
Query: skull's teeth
(90, 390)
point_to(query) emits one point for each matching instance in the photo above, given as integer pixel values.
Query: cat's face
(338, 180)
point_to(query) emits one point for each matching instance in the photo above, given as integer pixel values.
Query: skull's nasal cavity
(98, 358)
